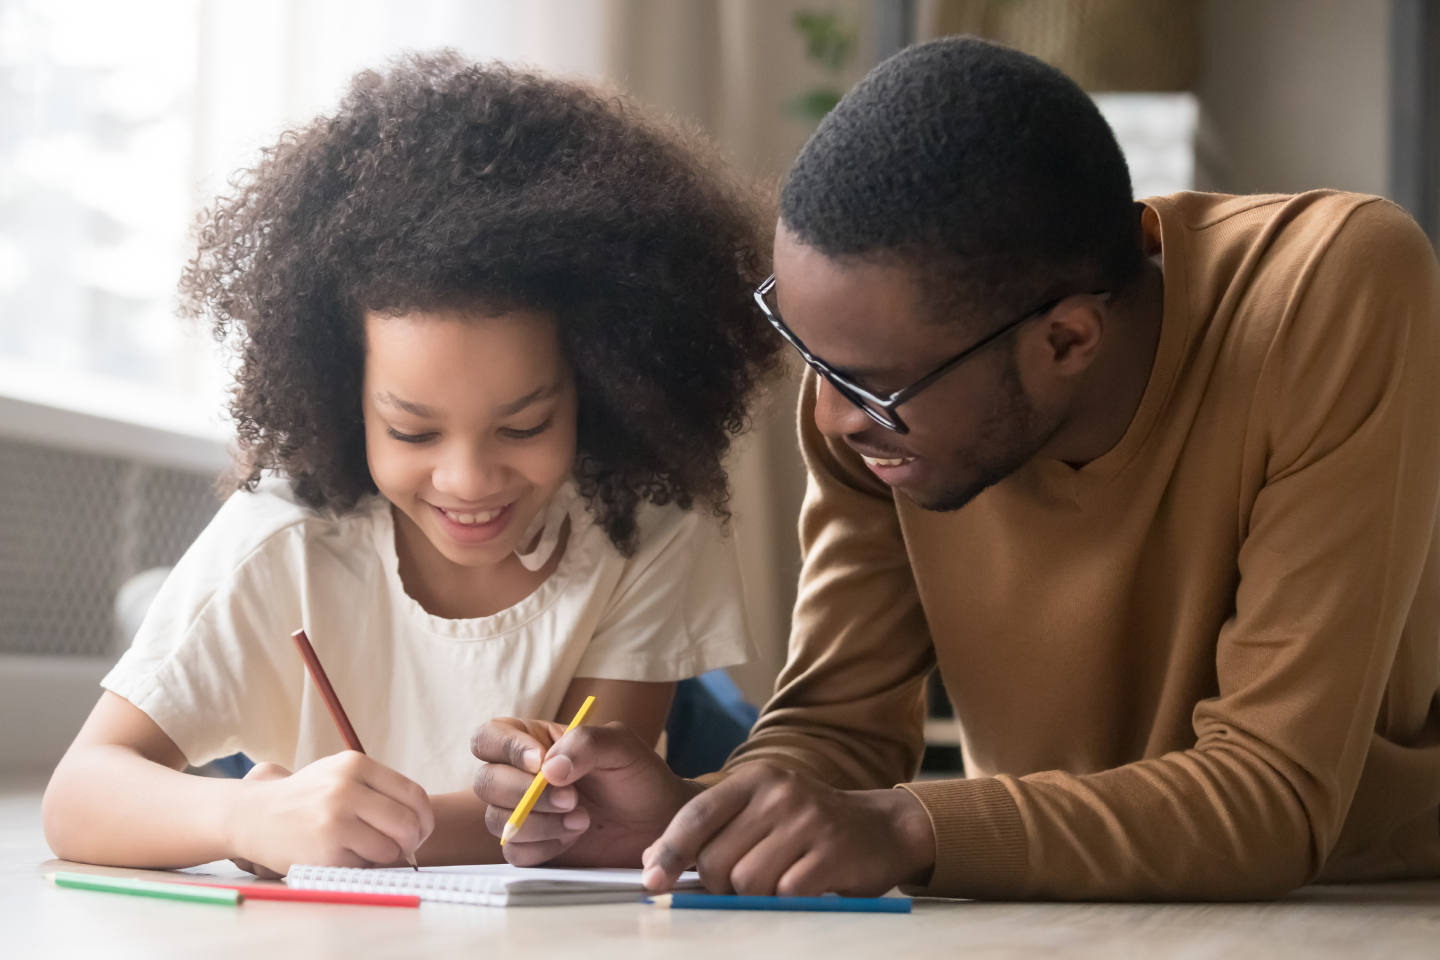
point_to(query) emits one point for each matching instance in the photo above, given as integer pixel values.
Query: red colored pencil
(259, 892)
(327, 693)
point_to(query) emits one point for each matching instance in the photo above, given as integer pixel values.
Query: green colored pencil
(146, 888)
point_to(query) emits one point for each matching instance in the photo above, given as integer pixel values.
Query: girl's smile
(469, 527)
(469, 432)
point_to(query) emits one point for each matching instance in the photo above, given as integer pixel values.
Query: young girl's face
(469, 424)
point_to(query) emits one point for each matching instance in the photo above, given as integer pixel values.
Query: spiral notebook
(487, 884)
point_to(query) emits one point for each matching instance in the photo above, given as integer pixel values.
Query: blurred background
(119, 120)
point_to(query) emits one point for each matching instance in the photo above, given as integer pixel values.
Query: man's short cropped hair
(988, 171)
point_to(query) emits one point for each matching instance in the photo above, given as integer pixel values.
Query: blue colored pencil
(711, 901)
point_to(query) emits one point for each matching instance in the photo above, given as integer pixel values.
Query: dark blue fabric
(710, 718)
(236, 765)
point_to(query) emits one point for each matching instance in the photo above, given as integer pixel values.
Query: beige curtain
(732, 66)
(1103, 45)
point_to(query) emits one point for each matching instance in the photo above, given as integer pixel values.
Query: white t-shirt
(214, 666)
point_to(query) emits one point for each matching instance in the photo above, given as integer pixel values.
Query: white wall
(1294, 95)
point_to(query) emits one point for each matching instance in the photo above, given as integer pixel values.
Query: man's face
(970, 429)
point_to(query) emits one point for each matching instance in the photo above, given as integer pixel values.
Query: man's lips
(882, 458)
(896, 469)
(887, 461)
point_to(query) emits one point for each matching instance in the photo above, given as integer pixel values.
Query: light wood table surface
(36, 920)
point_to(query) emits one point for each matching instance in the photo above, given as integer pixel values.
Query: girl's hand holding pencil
(345, 810)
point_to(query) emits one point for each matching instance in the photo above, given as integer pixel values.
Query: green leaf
(814, 104)
(828, 40)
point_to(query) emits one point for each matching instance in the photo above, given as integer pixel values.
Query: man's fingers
(690, 830)
(759, 862)
(534, 854)
(503, 786)
(539, 826)
(587, 749)
(519, 743)
(541, 838)
(496, 818)
(806, 878)
(748, 856)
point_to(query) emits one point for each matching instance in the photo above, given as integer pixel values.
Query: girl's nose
(469, 474)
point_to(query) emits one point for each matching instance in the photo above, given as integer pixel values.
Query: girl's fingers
(399, 789)
(364, 846)
(383, 830)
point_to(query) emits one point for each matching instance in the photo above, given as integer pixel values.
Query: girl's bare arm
(119, 797)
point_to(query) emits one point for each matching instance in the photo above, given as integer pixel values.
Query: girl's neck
(454, 592)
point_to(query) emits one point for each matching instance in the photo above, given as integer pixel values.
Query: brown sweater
(1204, 665)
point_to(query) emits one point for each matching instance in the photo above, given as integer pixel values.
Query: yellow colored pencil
(538, 785)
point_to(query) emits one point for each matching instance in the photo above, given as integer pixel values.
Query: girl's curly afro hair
(442, 183)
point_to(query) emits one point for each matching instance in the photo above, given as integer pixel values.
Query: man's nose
(835, 416)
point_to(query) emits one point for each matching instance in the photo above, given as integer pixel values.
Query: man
(1155, 486)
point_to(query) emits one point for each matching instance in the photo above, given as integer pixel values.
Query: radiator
(74, 526)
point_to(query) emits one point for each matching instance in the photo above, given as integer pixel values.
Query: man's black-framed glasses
(882, 408)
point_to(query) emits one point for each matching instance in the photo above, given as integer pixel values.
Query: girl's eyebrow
(514, 407)
(418, 409)
(506, 410)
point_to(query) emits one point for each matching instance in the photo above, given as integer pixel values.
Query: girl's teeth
(469, 518)
(876, 461)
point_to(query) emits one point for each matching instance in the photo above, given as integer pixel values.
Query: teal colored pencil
(711, 901)
(146, 888)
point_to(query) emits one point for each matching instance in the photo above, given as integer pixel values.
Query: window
(118, 120)
(96, 161)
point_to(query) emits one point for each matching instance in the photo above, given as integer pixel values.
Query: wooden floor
(1389, 921)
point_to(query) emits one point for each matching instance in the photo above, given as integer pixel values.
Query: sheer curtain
(118, 121)
(96, 104)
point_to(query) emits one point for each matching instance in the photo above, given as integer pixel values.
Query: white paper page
(512, 874)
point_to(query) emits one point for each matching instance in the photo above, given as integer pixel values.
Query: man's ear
(1071, 333)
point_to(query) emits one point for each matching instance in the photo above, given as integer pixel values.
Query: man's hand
(609, 797)
(767, 831)
(344, 811)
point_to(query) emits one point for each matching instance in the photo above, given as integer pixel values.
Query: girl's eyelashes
(507, 432)
(408, 437)
(527, 434)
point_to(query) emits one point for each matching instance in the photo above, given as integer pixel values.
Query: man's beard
(1010, 435)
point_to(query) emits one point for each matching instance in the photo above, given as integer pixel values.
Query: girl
(495, 337)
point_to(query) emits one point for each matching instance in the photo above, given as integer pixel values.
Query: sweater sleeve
(1330, 560)
(849, 706)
